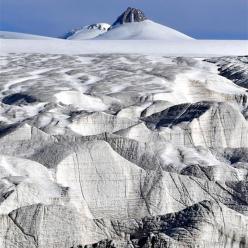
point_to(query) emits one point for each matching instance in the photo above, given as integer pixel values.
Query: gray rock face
(130, 15)
(121, 151)
(215, 125)
(235, 69)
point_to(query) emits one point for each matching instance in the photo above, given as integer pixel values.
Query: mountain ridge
(87, 32)
(132, 24)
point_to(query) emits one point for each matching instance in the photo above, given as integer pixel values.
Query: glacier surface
(121, 150)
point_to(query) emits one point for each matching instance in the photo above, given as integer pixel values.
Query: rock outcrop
(209, 124)
(130, 15)
(233, 68)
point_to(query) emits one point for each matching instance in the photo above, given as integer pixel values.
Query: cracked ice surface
(123, 150)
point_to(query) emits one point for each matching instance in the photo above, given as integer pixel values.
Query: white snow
(34, 183)
(189, 48)
(146, 30)
(90, 32)
(86, 34)
(145, 37)
(23, 36)
(81, 101)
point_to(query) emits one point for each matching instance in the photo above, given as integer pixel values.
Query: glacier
(121, 150)
(130, 135)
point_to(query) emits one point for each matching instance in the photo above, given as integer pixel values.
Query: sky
(201, 19)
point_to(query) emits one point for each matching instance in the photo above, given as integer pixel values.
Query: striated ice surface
(123, 151)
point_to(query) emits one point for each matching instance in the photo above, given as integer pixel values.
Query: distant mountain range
(132, 24)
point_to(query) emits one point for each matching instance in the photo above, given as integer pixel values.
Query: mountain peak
(130, 15)
(87, 32)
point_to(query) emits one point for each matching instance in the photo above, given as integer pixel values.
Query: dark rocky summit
(130, 15)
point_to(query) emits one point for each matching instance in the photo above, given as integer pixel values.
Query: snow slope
(89, 32)
(23, 36)
(145, 30)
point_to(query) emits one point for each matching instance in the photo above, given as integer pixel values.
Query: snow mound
(81, 101)
(25, 182)
(145, 30)
(22, 36)
(88, 32)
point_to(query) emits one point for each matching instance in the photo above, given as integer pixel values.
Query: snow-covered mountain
(145, 30)
(88, 32)
(134, 25)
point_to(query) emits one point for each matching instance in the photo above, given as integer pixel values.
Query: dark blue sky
(205, 19)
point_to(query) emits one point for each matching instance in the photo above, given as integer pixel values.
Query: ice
(186, 48)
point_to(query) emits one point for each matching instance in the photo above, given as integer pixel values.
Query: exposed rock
(17, 99)
(233, 68)
(209, 124)
(86, 32)
(130, 15)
